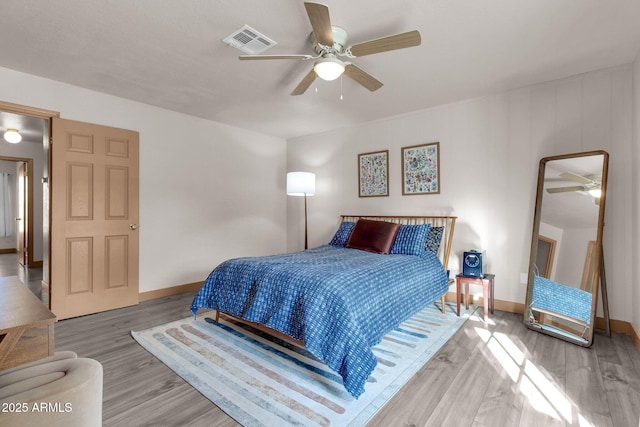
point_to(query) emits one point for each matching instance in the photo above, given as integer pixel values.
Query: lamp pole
(306, 239)
(302, 184)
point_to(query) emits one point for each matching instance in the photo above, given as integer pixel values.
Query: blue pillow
(433, 239)
(411, 240)
(343, 233)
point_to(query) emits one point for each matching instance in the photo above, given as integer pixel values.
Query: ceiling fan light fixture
(595, 192)
(12, 136)
(329, 68)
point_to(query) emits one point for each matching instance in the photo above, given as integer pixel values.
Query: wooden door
(22, 220)
(94, 216)
(545, 256)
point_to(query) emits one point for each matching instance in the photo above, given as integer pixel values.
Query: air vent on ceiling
(249, 41)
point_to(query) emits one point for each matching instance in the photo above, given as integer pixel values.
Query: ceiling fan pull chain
(341, 98)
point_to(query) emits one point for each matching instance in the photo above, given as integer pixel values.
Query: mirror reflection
(564, 268)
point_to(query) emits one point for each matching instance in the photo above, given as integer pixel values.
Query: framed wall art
(373, 174)
(421, 169)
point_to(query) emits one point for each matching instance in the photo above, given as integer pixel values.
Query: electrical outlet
(523, 278)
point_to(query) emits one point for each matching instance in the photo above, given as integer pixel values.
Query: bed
(340, 299)
(560, 300)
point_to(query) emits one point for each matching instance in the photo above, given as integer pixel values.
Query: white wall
(28, 150)
(219, 191)
(208, 191)
(490, 149)
(572, 255)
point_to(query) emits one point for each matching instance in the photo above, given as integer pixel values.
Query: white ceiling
(169, 53)
(576, 209)
(31, 128)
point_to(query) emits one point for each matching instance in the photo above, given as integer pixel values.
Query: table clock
(472, 265)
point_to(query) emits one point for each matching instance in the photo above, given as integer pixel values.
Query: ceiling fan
(591, 184)
(330, 44)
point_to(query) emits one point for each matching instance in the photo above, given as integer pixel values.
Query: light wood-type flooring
(494, 374)
(31, 276)
(499, 374)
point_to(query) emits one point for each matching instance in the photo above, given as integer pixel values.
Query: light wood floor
(30, 276)
(501, 374)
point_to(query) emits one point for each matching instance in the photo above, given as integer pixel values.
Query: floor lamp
(302, 184)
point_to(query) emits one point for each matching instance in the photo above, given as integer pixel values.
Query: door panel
(94, 202)
(79, 191)
(116, 253)
(79, 265)
(117, 180)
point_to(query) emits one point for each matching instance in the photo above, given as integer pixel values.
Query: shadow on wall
(464, 239)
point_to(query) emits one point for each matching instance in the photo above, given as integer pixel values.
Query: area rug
(260, 380)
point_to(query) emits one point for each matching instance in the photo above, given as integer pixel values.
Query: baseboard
(619, 326)
(15, 251)
(172, 290)
(508, 306)
(635, 337)
(511, 307)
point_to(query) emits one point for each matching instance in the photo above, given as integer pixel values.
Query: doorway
(545, 256)
(90, 213)
(26, 257)
(18, 206)
(17, 256)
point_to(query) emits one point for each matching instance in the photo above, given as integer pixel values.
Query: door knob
(133, 226)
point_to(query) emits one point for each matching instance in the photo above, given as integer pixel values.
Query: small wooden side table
(26, 325)
(487, 291)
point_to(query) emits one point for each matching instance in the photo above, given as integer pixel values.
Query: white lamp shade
(329, 68)
(301, 184)
(12, 136)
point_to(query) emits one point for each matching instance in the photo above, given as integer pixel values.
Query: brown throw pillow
(373, 236)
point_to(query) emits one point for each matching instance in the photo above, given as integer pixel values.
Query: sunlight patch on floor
(541, 392)
(536, 398)
(480, 318)
(551, 393)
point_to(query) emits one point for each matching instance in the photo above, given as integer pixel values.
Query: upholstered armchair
(61, 390)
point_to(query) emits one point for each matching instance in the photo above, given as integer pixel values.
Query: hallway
(32, 277)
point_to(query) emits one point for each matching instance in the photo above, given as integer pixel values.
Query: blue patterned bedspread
(340, 302)
(562, 299)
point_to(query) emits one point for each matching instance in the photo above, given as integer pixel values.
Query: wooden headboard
(448, 222)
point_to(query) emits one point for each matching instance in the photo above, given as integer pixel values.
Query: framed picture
(373, 174)
(421, 169)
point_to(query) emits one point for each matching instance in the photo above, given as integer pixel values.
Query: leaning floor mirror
(566, 265)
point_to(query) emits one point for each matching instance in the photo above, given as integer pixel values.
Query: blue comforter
(562, 299)
(340, 302)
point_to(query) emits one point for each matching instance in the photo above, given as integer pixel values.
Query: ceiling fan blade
(320, 22)
(399, 41)
(575, 177)
(566, 189)
(305, 83)
(362, 77)
(260, 57)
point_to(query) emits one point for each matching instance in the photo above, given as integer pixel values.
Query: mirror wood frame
(597, 262)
